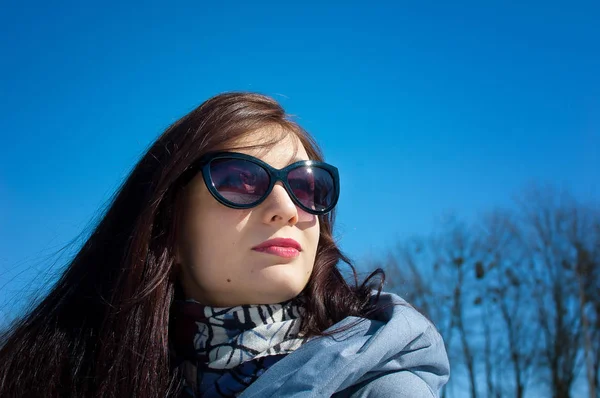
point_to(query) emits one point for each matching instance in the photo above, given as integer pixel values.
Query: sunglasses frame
(274, 174)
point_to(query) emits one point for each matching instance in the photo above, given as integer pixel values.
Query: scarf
(221, 351)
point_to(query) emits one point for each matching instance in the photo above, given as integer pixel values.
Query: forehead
(273, 145)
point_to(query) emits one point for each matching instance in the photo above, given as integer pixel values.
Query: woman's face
(217, 251)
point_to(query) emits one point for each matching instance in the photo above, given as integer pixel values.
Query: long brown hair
(103, 330)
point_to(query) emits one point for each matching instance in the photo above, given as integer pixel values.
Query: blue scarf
(221, 351)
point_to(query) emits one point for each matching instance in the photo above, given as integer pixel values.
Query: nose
(279, 208)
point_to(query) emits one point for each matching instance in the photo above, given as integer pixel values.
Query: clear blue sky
(425, 107)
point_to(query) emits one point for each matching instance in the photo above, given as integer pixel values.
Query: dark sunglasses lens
(239, 181)
(313, 186)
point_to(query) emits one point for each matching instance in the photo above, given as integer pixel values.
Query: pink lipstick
(282, 247)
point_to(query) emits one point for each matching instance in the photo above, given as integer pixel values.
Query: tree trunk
(587, 340)
(488, 356)
(468, 358)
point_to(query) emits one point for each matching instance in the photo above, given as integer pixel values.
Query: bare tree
(456, 251)
(508, 286)
(581, 235)
(544, 233)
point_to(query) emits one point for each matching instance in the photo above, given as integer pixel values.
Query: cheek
(215, 237)
(209, 235)
(312, 236)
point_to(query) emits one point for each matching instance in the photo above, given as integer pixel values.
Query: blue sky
(425, 107)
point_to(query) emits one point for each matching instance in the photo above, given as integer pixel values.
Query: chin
(279, 294)
(281, 291)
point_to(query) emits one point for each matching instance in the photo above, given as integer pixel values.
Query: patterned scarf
(221, 351)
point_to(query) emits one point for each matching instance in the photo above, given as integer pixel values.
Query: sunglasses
(242, 181)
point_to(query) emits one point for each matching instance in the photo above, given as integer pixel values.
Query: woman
(214, 273)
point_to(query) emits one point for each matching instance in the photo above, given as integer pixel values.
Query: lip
(282, 247)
